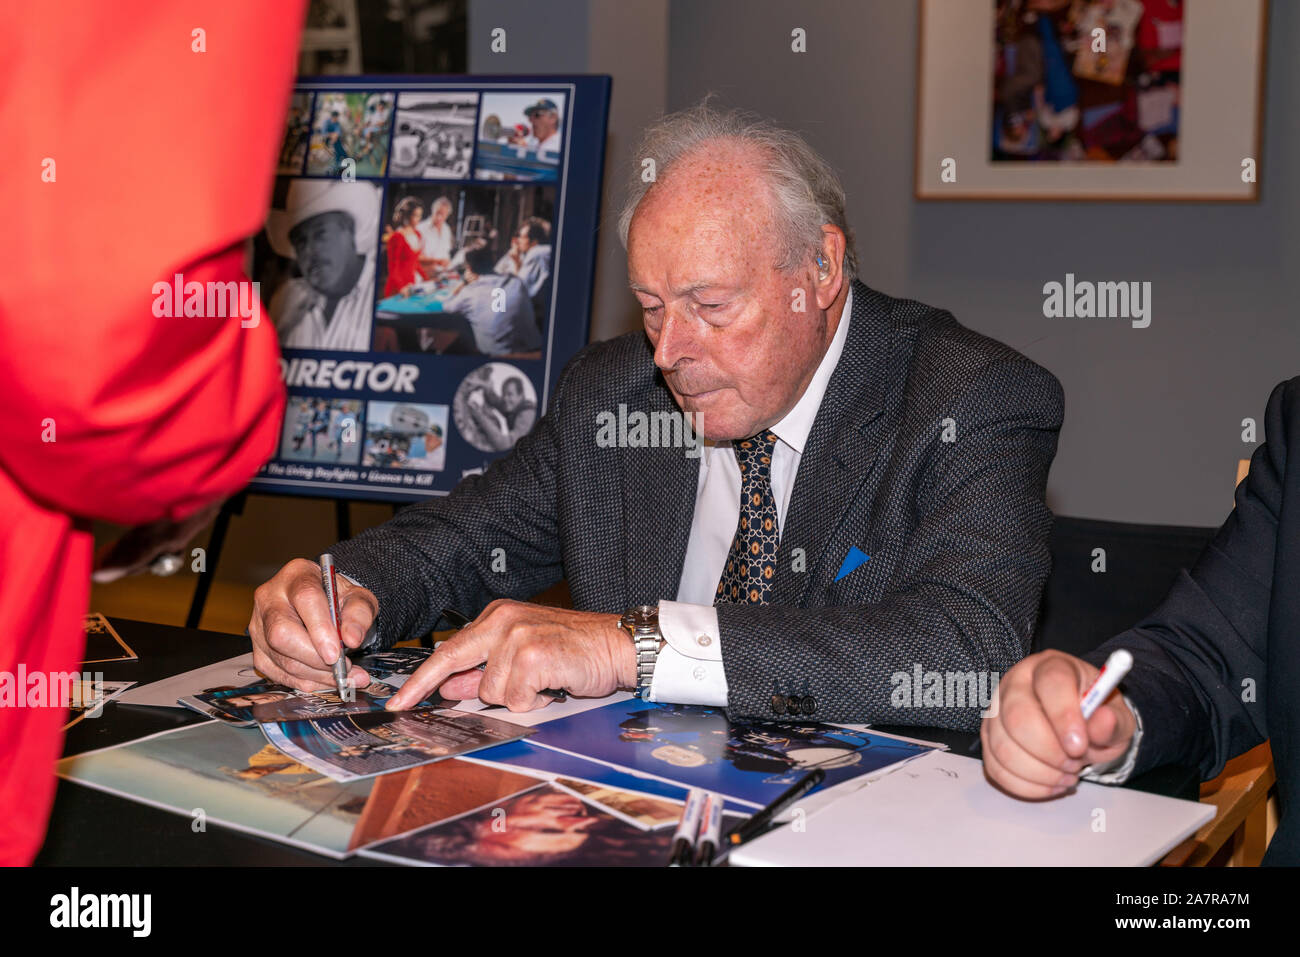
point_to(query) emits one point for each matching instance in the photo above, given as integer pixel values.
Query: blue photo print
(521, 754)
(698, 747)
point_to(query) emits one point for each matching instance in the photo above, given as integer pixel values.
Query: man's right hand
(294, 642)
(1036, 742)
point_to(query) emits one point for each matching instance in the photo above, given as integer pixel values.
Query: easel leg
(342, 518)
(233, 506)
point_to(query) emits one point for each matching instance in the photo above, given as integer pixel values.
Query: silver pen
(341, 663)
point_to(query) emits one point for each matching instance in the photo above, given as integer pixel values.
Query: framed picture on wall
(1090, 99)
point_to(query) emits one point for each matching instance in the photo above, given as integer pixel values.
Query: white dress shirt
(689, 669)
(437, 240)
(298, 312)
(1121, 769)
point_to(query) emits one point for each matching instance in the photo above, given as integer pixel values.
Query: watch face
(641, 615)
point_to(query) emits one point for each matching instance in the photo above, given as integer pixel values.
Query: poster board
(427, 263)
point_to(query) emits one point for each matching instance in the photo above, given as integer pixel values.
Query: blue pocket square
(852, 560)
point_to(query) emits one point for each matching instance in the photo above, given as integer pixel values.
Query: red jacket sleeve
(143, 137)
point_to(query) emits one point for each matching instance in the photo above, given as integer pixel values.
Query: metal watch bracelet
(641, 622)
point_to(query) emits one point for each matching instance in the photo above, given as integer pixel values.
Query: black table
(91, 827)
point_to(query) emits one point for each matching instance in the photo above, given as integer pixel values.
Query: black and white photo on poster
(433, 135)
(494, 407)
(320, 278)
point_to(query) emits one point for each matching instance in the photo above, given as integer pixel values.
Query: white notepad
(940, 810)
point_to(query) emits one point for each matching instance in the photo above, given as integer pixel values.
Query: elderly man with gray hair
(868, 498)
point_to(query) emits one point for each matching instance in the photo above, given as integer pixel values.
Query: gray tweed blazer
(952, 519)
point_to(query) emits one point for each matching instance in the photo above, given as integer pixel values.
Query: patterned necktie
(751, 563)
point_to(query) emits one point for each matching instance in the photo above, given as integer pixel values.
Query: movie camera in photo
(406, 436)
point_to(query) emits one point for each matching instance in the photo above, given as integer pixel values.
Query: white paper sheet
(941, 810)
(235, 672)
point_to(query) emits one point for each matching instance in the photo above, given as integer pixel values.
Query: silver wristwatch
(642, 623)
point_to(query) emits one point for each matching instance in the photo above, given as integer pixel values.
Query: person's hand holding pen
(527, 649)
(1037, 741)
(295, 642)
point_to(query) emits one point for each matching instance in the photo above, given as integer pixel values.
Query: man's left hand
(527, 648)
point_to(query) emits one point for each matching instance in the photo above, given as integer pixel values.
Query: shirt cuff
(689, 668)
(1119, 770)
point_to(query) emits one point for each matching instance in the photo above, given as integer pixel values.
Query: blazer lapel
(842, 447)
(659, 486)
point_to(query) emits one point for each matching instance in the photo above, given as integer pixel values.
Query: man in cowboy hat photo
(329, 228)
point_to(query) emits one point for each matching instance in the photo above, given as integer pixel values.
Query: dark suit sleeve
(1198, 676)
(495, 536)
(966, 593)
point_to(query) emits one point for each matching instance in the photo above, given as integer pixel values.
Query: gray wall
(628, 41)
(548, 37)
(1152, 429)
